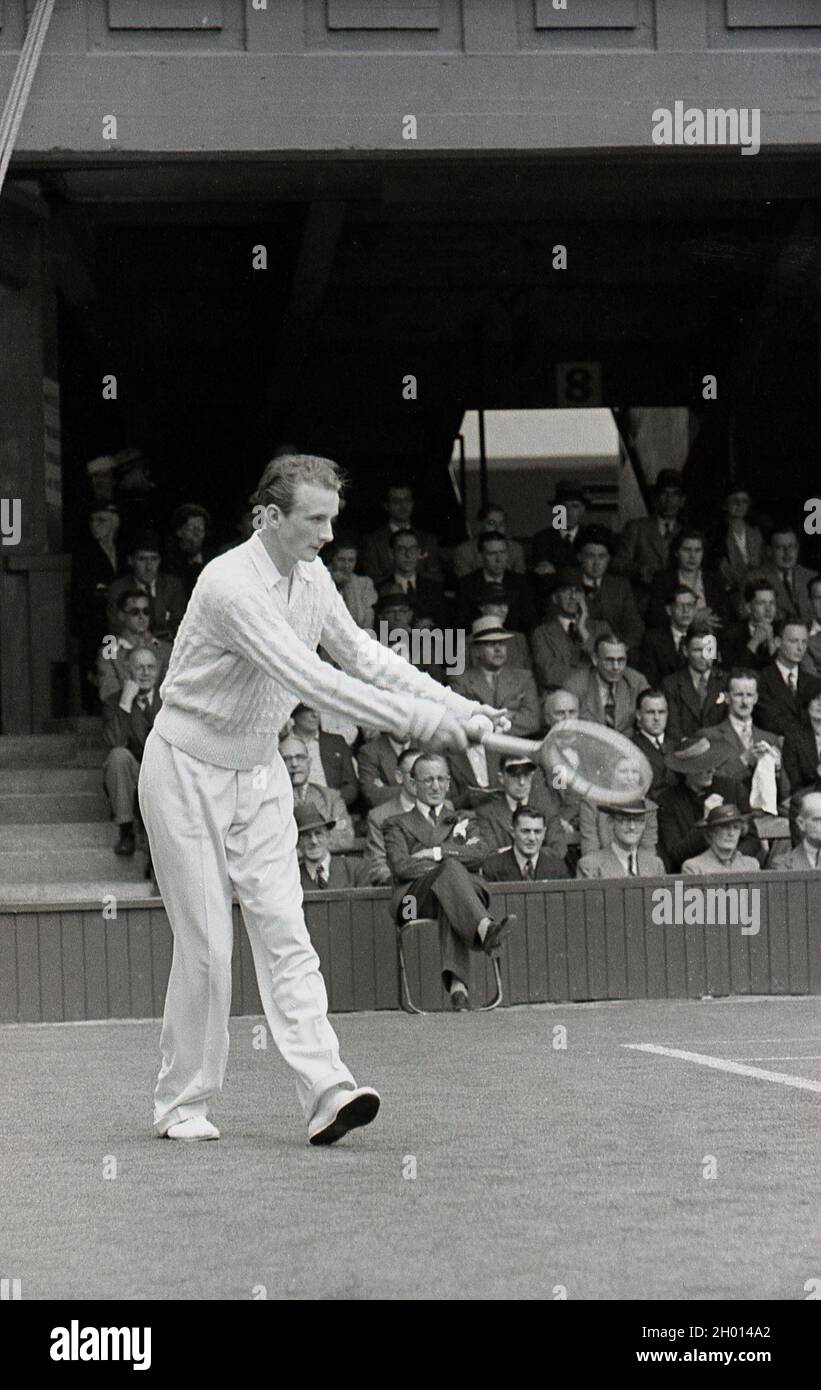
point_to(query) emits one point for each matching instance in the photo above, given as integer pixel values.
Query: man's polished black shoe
(459, 1001)
(125, 844)
(497, 932)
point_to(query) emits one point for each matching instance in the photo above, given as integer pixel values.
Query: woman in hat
(723, 827)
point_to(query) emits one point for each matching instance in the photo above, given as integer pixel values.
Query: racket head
(599, 763)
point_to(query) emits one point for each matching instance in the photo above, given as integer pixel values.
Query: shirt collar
(524, 859)
(623, 855)
(267, 570)
(323, 864)
(787, 671)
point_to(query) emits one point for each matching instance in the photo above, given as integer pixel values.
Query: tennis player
(217, 804)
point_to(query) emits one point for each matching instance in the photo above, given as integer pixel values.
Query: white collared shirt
(624, 855)
(317, 773)
(523, 860)
(744, 729)
(324, 864)
(477, 757)
(787, 672)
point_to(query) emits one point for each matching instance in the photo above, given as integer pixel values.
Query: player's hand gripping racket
(598, 763)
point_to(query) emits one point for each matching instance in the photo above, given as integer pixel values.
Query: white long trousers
(211, 830)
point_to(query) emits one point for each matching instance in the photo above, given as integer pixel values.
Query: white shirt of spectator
(789, 675)
(523, 860)
(324, 864)
(624, 856)
(744, 729)
(317, 773)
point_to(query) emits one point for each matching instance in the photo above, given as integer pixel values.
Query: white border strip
(801, 1083)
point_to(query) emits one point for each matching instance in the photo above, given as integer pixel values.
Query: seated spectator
(95, 564)
(466, 556)
(751, 642)
(784, 689)
(403, 799)
(129, 716)
(326, 800)
(683, 808)
(473, 775)
(723, 827)
(738, 545)
(165, 590)
(748, 743)
(563, 643)
(525, 860)
(623, 858)
(425, 596)
(492, 682)
(495, 572)
(607, 693)
(608, 598)
(789, 578)
(650, 736)
(378, 760)
(557, 707)
(189, 550)
(807, 817)
(318, 867)
(802, 750)
(134, 609)
(433, 855)
(660, 653)
(400, 629)
(490, 604)
(687, 567)
(358, 591)
(377, 556)
(695, 694)
(331, 764)
(554, 547)
(812, 660)
(644, 550)
(596, 822)
(520, 784)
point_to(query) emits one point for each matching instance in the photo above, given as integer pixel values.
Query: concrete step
(57, 836)
(50, 750)
(62, 893)
(57, 781)
(80, 865)
(40, 808)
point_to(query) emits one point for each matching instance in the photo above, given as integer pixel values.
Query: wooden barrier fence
(575, 941)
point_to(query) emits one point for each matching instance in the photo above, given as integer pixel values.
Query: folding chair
(405, 995)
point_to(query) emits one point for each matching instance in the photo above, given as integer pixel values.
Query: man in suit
(623, 858)
(473, 776)
(660, 653)
(403, 799)
(426, 597)
(294, 754)
(433, 855)
(377, 556)
(492, 682)
(748, 743)
(95, 564)
(134, 608)
(701, 786)
(128, 717)
(521, 783)
(802, 750)
(687, 567)
(645, 544)
(812, 660)
(166, 590)
(495, 572)
(805, 855)
(554, 547)
(784, 689)
(491, 604)
(723, 827)
(378, 760)
(751, 642)
(331, 764)
(789, 578)
(695, 694)
(318, 868)
(650, 736)
(358, 590)
(607, 694)
(563, 643)
(525, 860)
(466, 557)
(608, 599)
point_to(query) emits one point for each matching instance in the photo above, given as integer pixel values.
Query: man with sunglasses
(135, 615)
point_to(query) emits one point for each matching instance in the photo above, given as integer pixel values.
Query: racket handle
(506, 743)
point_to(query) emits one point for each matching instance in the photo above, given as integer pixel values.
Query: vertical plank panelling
(74, 982)
(9, 1003)
(339, 928)
(655, 952)
(96, 972)
(635, 944)
(798, 900)
(695, 959)
(430, 959)
(578, 986)
(28, 966)
(812, 931)
(739, 961)
(385, 957)
(51, 967)
(316, 916)
(139, 954)
(616, 905)
(535, 945)
(162, 945)
(116, 941)
(515, 970)
(761, 981)
(596, 942)
(362, 955)
(676, 974)
(774, 927)
(558, 976)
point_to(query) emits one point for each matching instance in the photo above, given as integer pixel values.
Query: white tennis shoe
(195, 1127)
(341, 1109)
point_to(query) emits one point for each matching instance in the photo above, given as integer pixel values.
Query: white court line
(793, 1057)
(724, 1064)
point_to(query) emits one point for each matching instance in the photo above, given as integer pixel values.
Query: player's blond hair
(282, 476)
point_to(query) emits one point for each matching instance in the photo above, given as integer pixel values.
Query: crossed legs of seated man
(459, 903)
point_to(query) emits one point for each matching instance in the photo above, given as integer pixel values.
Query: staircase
(56, 835)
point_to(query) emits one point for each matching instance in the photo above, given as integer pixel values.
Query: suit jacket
(725, 735)
(377, 763)
(464, 789)
(496, 819)
(613, 605)
(337, 764)
(662, 776)
(169, 603)
(680, 809)
(658, 655)
(556, 655)
(515, 590)
(360, 596)
(778, 708)
(715, 595)
(735, 652)
(687, 714)
(331, 806)
(466, 557)
(377, 554)
(515, 691)
(801, 758)
(412, 831)
(375, 834)
(550, 545)
(428, 599)
(799, 606)
(734, 567)
(503, 867)
(343, 873)
(812, 661)
(642, 547)
(604, 863)
(121, 730)
(91, 576)
(709, 863)
(584, 685)
(796, 858)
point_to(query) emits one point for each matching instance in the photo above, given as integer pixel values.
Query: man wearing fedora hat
(552, 548)
(683, 808)
(319, 868)
(563, 643)
(493, 682)
(723, 827)
(623, 857)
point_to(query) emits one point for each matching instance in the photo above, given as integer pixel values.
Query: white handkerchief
(764, 789)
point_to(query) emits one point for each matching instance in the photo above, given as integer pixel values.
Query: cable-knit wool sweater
(245, 656)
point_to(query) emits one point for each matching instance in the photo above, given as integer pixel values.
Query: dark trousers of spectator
(458, 901)
(121, 773)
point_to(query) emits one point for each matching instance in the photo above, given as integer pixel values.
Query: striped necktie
(321, 877)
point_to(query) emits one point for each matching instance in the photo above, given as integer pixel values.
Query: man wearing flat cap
(521, 784)
(623, 857)
(723, 827)
(319, 869)
(500, 685)
(683, 808)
